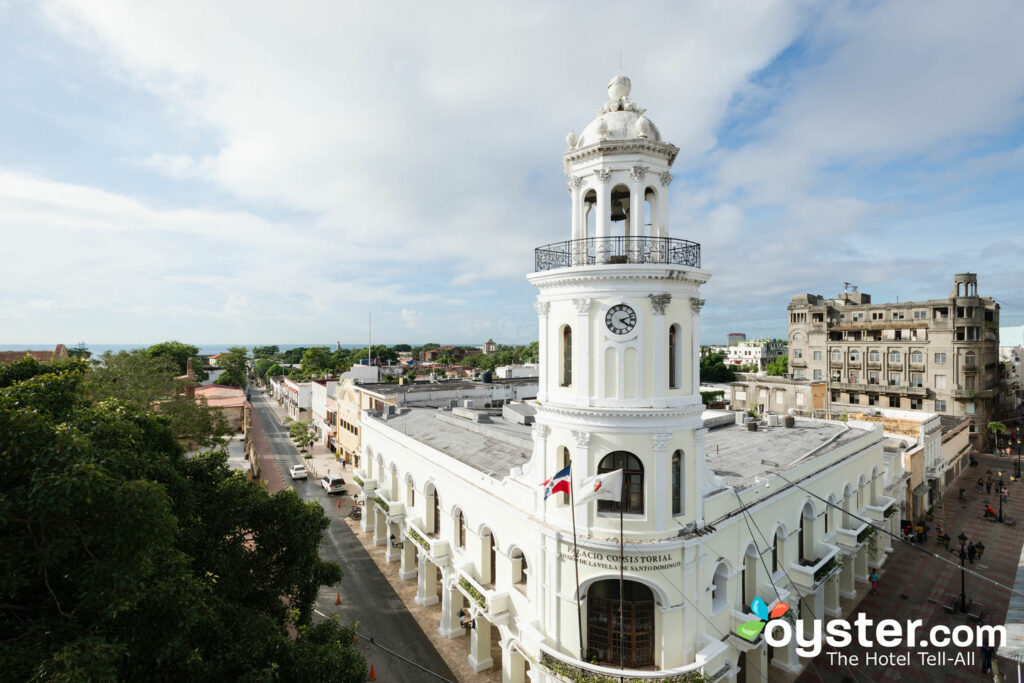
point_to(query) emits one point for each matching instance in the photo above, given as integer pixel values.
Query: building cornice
(584, 276)
(621, 147)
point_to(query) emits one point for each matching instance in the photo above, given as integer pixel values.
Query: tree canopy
(179, 353)
(125, 559)
(714, 369)
(235, 365)
(778, 367)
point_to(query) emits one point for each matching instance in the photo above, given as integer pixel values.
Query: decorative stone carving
(643, 127)
(582, 306)
(637, 173)
(571, 139)
(659, 302)
(696, 304)
(602, 129)
(574, 181)
(540, 431)
(603, 174)
(582, 438)
(542, 307)
(665, 178)
(661, 441)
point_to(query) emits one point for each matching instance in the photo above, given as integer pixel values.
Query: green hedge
(473, 592)
(381, 504)
(420, 541)
(357, 480)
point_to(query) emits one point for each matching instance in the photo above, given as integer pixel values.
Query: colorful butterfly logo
(752, 629)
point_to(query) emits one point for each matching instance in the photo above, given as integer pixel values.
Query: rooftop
(493, 448)
(394, 389)
(738, 455)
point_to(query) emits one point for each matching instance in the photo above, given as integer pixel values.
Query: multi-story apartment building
(757, 353)
(940, 355)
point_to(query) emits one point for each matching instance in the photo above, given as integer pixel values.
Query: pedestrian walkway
(914, 584)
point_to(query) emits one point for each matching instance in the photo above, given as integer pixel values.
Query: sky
(256, 172)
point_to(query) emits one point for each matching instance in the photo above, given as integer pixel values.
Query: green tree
(445, 358)
(714, 369)
(316, 361)
(303, 435)
(79, 352)
(293, 356)
(148, 383)
(779, 366)
(709, 397)
(400, 348)
(265, 351)
(996, 428)
(235, 364)
(275, 370)
(126, 560)
(179, 354)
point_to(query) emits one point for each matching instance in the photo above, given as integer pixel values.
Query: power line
(915, 546)
(405, 659)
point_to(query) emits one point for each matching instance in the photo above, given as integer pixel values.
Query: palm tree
(996, 428)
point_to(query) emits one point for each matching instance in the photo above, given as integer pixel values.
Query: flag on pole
(606, 486)
(558, 483)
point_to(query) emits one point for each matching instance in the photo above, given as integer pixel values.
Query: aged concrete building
(940, 355)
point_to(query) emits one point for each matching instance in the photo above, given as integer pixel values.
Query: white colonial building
(714, 513)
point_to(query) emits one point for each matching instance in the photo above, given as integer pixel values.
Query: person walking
(986, 658)
(979, 550)
(920, 533)
(981, 485)
(988, 486)
(971, 551)
(873, 577)
(1005, 494)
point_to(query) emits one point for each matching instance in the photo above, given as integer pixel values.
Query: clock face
(620, 319)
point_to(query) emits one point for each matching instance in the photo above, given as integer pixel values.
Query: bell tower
(619, 309)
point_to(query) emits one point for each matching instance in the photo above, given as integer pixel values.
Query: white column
(539, 458)
(451, 603)
(603, 220)
(380, 527)
(543, 307)
(480, 646)
(581, 469)
(426, 583)
(696, 305)
(513, 665)
(662, 481)
(407, 570)
(574, 196)
(581, 352)
(392, 554)
(659, 383)
(636, 202)
(662, 207)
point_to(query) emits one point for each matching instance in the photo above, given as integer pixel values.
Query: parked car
(332, 483)
(298, 472)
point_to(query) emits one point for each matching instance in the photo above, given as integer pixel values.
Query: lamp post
(961, 553)
(1018, 458)
(1000, 495)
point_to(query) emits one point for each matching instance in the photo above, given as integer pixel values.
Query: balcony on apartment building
(811, 572)
(973, 393)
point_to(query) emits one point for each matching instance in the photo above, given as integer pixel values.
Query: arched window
(589, 203)
(720, 588)
(632, 502)
(916, 357)
(873, 356)
(798, 336)
(566, 356)
(518, 568)
(460, 529)
(894, 356)
(675, 379)
(410, 493)
(677, 483)
(777, 555)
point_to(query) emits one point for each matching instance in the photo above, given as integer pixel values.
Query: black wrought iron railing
(609, 250)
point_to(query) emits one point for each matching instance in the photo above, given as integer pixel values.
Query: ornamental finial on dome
(619, 87)
(571, 139)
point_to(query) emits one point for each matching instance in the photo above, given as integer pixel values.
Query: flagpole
(576, 560)
(622, 625)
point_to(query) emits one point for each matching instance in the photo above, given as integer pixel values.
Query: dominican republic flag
(558, 483)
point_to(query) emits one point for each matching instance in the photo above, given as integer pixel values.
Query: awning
(921, 490)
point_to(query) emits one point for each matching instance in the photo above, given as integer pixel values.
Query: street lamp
(1018, 458)
(962, 553)
(1000, 495)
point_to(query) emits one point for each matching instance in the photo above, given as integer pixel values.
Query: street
(366, 596)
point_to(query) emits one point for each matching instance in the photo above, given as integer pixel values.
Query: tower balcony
(614, 250)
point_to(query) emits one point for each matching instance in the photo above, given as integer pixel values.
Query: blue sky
(242, 172)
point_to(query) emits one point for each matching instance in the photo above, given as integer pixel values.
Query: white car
(332, 483)
(298, 472)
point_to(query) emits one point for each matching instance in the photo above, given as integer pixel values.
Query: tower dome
(619, 119)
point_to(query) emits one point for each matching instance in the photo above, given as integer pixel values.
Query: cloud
(411, 318)
(324, 159)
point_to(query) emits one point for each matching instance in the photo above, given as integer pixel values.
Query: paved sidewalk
(913, 584)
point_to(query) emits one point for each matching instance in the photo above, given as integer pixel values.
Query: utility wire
(405, 659)
(916, 546)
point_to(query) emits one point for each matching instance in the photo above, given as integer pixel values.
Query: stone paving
(913, 585)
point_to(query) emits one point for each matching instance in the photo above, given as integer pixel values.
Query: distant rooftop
(736, 454)
(394, 389)
(493, 448)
